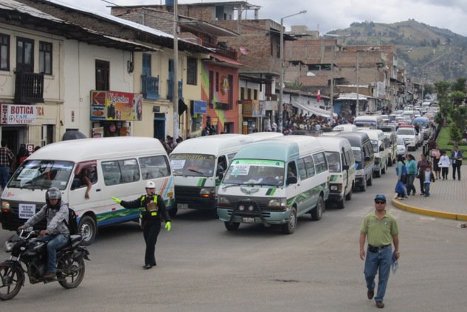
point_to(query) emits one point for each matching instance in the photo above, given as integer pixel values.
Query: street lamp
(281, 56)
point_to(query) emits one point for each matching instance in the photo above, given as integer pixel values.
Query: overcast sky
(336, 14)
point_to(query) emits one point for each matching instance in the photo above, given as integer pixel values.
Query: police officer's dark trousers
(151, 230)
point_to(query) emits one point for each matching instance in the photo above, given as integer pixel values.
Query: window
(24, 55)
(84, 172)
(248, 94)
(120, 171)
(320, 162)
(301, 169)
(146, 64)
(4, 52)
(192, 71)
(310, 166)
(242, 93)
(217, 81)
(153, 167)
(42, 174)
(102, 75)
(45, 58)
(255, 94)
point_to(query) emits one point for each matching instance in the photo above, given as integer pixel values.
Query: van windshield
(192, 165)
(42, 174)
(255, 172)
(334, 161)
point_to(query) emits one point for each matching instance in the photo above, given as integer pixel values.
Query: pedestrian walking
(401, 170)
(444, 163)
(456, 160)
(421, 166)
(435, 156)
(380, 229)
(6, 159)
(153, 212)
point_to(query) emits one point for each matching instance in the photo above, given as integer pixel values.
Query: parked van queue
(309, 175)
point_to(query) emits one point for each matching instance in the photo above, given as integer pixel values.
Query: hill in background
(428, 52)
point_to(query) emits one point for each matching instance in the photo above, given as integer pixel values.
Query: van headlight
(207, 192)
(335, 187)
(223, 201)
(5, 206)
(277, 204)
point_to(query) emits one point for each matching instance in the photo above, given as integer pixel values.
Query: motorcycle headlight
(9, 246)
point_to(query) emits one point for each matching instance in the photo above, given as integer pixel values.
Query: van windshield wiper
(230, 184)
(195, 171)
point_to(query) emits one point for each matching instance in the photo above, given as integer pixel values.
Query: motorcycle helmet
(53, 193)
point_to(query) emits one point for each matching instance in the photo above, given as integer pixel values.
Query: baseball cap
(380, 197)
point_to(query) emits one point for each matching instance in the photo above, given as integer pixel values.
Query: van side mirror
(291, 180)
(345, 167)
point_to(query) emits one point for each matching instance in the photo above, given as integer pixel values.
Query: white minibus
(341, 163)
(118, 166)
(275, 182)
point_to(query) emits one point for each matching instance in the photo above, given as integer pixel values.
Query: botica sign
(12, 114)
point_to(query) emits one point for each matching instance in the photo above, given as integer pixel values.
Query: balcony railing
(223, 106)
(150, 87)
(29, 88)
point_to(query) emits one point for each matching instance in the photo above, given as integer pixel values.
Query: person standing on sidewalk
(444, 163)
(380, 229)
(428, 177)
(456, 159)
(6, 159)
(411, 174)
(421, 166)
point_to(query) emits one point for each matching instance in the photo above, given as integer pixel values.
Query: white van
(341, 162)
(118, 166)
(378, 141)
(369, 121)
(198, 165)
(274, 182)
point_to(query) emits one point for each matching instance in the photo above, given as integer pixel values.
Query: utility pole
(358, 83)
(175, 74)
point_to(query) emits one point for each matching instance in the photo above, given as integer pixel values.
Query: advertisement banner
(17, 114)
(114, 105)
(199, 107)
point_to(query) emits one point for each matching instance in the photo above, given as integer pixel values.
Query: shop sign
(199, 107)
(17, 114)
(114, 105)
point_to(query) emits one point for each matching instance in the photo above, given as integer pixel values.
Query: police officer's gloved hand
(168, 226)
(117, 200)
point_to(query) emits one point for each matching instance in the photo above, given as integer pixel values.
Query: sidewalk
(448, 199)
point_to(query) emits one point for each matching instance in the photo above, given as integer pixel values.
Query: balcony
(223, 50)
(150, 87)
(222, 106)
(29, 88)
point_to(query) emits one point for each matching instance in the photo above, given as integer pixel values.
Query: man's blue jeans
(4, 176)
(378, 262)
(55, 242)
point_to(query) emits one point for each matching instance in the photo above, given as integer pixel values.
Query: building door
(159, 126)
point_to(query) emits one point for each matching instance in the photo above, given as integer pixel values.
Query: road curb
(427, 212)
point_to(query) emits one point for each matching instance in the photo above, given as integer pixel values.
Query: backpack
(72, 223)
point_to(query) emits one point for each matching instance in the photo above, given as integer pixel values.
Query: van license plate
(248, 220)
(26, 211)
(182, 206)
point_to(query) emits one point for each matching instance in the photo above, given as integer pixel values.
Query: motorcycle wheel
(70, 272)
(11, 280)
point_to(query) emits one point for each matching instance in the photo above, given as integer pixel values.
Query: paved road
(201, 267)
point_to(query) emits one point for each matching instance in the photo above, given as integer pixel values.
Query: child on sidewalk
(428, 177)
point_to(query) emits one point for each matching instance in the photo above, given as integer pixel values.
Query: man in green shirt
(381, 231)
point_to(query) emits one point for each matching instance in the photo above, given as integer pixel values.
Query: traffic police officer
(153, 212)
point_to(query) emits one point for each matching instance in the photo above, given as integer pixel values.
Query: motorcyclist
(153, 212)
(56, 234)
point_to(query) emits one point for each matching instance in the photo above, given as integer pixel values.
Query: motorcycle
(29, 255)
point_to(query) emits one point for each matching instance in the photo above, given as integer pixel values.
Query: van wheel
(317, 213)
(341, 204)
(370, 181)
(231, 226)
(291, 225)
(384, 169)
(88, 230)
(349, 195)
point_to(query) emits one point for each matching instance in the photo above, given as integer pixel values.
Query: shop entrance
(159, 126)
